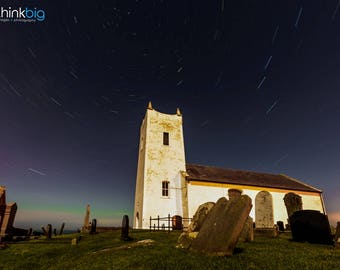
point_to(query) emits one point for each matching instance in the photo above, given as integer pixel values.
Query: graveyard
(108, 251)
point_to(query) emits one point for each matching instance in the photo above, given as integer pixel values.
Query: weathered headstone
(280, 226)
(199, 216)
(222, 227)
(86, 225)
(7, 219)
(293, 202)
(62, 228)
(264, 213)
(93, 226)
(234, 193)
(247, 233)
(125, 228)
(310, 226)
(49, 231)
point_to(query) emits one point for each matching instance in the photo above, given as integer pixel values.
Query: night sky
(257, 82)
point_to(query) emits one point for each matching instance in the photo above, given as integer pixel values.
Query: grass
(263, 253)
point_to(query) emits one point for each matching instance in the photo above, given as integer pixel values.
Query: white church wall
(199, 194)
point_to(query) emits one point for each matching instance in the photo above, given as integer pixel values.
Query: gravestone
(222, 227)
(199, 216)
(293, 202)
(55, 232)
(62, 228)
(280, 225)
(247, 233)
(125, 228)
(234, 193)
(264, 214)
(86, 225)
(310, 226)
(44, 230)
(93, 226)
(177, 222)
(337, 232)
(7, 218)
(49, 231)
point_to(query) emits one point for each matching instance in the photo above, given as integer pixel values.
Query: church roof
(238, 177)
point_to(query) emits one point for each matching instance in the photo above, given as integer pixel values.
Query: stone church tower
(161, 163)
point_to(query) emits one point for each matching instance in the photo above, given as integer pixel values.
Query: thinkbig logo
(21, 14)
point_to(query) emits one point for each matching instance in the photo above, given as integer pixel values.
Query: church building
(167, 184)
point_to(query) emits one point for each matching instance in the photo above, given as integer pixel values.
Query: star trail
(257, 84)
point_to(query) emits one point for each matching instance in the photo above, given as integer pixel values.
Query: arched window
(165, 188)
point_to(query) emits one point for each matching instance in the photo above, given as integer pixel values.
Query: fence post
(150, 223)
(168, 222)
(158, 222)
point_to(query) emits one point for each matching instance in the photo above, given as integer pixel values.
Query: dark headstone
(125, 228)
(199, 216)
(280, 225)
(93, 226)
(49, 231)
(62, 228)
(310, 226)
(293, 202)
(177, 222)
(222, 227)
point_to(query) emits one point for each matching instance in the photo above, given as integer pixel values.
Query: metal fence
(169, 223)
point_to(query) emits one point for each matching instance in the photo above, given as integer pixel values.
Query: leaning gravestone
(310, 226)
(62, 228)
(293, 203)
(125, 228)
(222, 227)
(93, 226)
(199, 216)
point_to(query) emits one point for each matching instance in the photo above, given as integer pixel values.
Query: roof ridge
(237, 170)
(300, 182)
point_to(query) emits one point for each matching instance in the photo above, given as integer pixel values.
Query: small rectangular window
(165, 138)
(165, 188)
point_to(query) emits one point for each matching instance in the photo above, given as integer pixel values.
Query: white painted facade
(158, 162)
(199, 193)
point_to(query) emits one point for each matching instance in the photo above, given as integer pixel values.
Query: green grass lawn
(263, 253)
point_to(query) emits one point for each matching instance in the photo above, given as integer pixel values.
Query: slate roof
(238, 177)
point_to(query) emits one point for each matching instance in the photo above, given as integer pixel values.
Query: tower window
(165, 138)
(165, 188)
